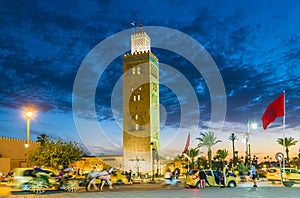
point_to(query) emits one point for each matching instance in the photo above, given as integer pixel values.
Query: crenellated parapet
(15, 148)
(13, 140)
(139, 56)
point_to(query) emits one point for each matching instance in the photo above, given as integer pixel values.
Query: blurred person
(168, 174)
(218, 177)
(253, 174)
(129, 176)
(202, 176)
(176, 173)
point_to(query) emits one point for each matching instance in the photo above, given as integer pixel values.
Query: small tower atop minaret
(140, 41)
(141, 26)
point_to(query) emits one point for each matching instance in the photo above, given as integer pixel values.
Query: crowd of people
(219, 175)
(172, 175)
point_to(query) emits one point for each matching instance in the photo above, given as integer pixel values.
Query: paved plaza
(264, 190)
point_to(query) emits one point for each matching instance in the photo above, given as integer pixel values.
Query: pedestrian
(218, 177)
(202, 176)
(226, 170)
(129, 176)
(168, 175)
(253, 174)
(2, 179)
(177, 172)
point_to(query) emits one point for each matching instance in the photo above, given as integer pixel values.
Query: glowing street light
(28, 115)
(253, 125)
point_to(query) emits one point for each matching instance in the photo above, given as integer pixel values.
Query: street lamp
(253, 125)
(152, 160)
(28, 115)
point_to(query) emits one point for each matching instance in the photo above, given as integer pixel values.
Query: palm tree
(208, 139)
(192, 153)
(289, 141)
(233, 138)
(180, 157)
(222, 155)
(43, 138)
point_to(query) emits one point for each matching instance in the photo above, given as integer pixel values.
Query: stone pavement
(249, 192)
(264, 190)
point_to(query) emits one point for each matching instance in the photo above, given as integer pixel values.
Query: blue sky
(255, 47)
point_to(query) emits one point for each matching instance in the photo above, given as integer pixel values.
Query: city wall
(13, 153)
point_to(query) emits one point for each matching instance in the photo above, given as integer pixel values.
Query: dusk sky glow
(255, 47)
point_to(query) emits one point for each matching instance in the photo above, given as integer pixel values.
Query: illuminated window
(133, 71)
(136, 127)
(140, 88)
(138, 70)
(139, 97)
(136, 116)
(134, 98)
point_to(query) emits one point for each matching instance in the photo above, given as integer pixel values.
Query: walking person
(253, 174)
(93, 181)
(218, 177)
(129, 176)
(177, 172)
(202, 176)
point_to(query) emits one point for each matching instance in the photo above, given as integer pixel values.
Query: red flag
(273, 111)
(187, 145)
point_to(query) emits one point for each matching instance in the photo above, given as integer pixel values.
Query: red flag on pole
(273, 111)
(187, 145)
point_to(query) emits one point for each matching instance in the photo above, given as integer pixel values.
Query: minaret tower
(141, 123)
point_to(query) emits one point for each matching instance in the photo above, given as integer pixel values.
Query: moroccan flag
(187, 145)
(273, 111)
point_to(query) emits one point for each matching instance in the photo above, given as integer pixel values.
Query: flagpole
(188, 163)
(283, 129)
(189, 152)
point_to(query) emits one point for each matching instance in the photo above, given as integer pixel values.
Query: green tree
(289, 141)
(202, 162)
(242, 169)
(43, 138)
(222, 155)
(55, 153)
(232, 138)
(180, 157)
(192, 153)
(207, 139)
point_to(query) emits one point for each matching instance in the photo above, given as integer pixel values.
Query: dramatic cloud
(256, 46)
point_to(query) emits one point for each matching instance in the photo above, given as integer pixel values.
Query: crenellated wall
(15, 150)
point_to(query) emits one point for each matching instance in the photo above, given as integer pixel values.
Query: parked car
(142, 179)
(273, 174)
(193, 180)
(118, 178)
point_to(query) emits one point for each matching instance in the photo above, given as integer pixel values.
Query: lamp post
(28, 115)
(157, 162)
(152, 160)
(253, 125)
